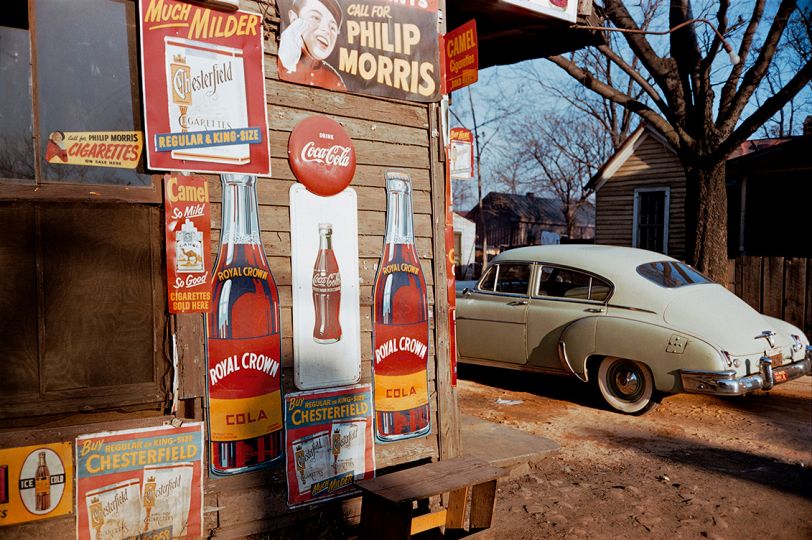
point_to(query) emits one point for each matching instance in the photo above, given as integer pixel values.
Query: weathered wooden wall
(387, 134)
(776, 286)
(650, 165)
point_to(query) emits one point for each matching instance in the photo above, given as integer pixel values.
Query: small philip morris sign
(188, 243)
(460, 57)
(204, 89)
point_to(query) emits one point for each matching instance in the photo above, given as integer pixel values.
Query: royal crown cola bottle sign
(400, 325)
(243, 337)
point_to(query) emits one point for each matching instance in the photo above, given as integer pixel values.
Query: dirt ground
(695, 467)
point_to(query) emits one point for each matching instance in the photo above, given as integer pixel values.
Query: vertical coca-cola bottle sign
(243, 336)
(400, 326)
(326, 290)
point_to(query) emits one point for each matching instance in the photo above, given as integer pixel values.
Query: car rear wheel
(627, 386)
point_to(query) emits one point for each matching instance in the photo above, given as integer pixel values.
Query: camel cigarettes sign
(204, 89)
(460, 57)
(188, 243)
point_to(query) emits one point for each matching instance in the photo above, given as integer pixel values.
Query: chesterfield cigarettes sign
(377, 47)
(329, 442)
(204, 89)
(140, 483)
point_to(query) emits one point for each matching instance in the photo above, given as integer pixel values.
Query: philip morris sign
(204, 89)
(377, 47)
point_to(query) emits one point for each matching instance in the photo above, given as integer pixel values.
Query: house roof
(614, 163)
(530, 208)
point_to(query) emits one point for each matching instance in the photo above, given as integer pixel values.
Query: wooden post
(447, 407)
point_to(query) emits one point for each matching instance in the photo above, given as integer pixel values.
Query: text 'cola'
(243, 337)
(400, 325)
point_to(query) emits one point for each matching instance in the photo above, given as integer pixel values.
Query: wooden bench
(387, 503)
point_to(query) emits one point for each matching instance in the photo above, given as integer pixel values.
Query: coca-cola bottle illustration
(400, 325)
(326, 289)
(42, 484)
(243, 336)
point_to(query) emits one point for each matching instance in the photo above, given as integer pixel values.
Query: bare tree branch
(729, 90)
(770, 106)
(753, 76)
(590, 82)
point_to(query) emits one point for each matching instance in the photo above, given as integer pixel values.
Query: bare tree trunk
(706, 218)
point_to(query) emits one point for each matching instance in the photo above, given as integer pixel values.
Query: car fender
(664, 350)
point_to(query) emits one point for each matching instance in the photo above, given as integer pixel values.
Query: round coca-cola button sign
(321, 155)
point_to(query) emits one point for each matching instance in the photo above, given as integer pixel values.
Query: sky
(500, 85)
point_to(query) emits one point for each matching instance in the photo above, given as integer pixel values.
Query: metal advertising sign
(326, 296)
(328, 437)
(460, 57)
(36, 482)
(204, 89)
(321, 155)
(375, 47)
(243, 338)
(400, 324)
(461, 154)
(188, 243)
(140, 483)
(120, 149)
(559, 9)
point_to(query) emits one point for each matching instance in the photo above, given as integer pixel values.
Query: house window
(83, 301)
(650, 221)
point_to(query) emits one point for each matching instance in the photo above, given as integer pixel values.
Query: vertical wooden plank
(737, 285)
(191, 355)
(807, 327)
(455, 518)
(751, 281)
(795, 295)
(447, 407)
(773, 286)
(483, 500)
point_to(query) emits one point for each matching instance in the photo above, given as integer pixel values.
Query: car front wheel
(627, 386)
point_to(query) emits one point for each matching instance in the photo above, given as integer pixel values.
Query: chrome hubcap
(627, 381)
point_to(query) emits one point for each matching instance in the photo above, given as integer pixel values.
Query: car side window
(489, 280)
(565, 283)
(513, 278)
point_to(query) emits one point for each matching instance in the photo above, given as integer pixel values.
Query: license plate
(776, 357)
(780, 376)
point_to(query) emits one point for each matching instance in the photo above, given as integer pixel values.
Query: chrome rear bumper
(725, 382)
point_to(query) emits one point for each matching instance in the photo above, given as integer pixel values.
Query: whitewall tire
(626, 386)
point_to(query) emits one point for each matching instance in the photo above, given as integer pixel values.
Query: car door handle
(518, 303)
(595, 310)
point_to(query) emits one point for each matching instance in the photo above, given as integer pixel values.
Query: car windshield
(671, 274)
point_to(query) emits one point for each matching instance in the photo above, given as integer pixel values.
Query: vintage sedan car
(636, 323)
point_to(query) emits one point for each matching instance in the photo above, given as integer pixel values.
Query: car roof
(609, 261)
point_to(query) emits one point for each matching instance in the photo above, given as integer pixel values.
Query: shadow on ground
(792, 478)
(557, 387)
